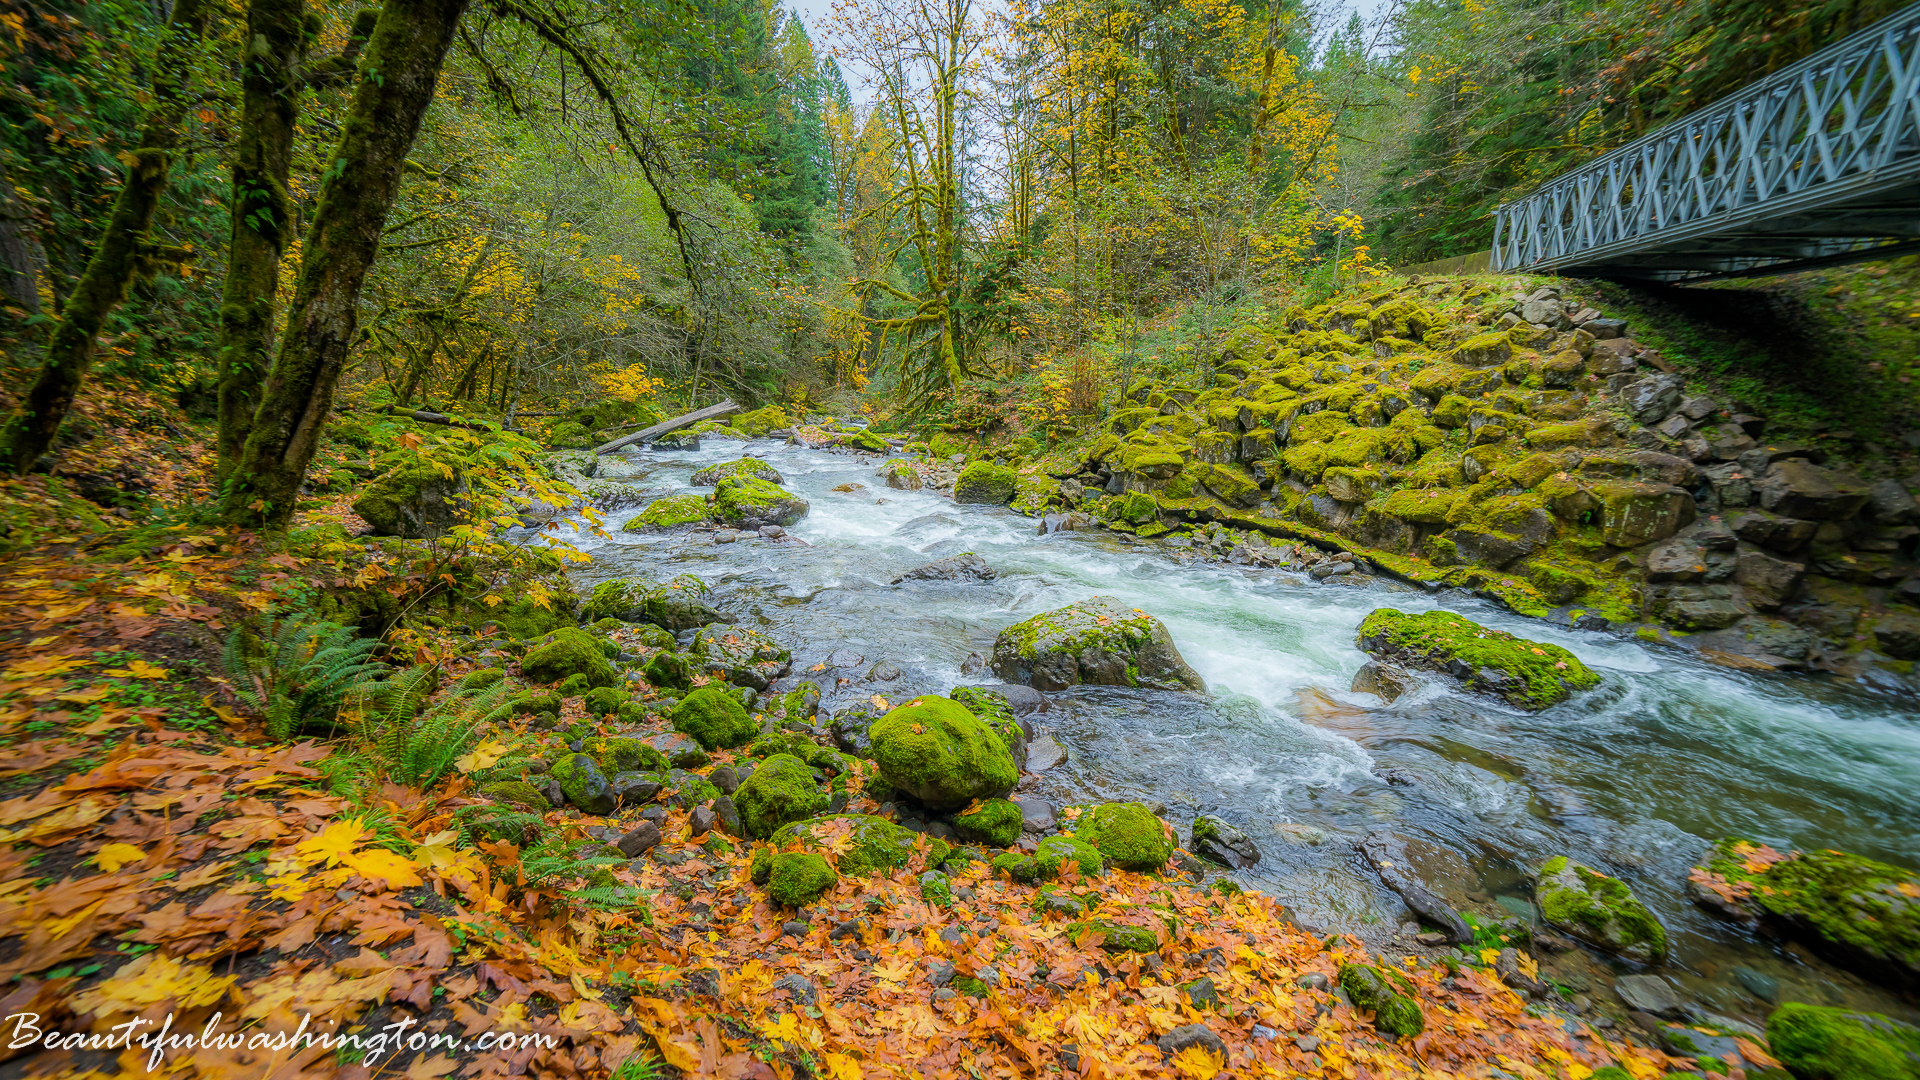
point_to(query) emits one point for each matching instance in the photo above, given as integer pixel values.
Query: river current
(1634, 778)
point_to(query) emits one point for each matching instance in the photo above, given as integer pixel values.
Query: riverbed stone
(1097, 641)
(1128, 834)
(1823, 1042)
(985, 483)
(1387, 994)
(677, 604)
(711, 475)
(715, 718)
(569, 652)
(742, 656)
(1651, 994)
(747, 501)
(938, 752)
(1528, 674)
(1383, 680)
(1217, 840)
(963, 567)
(584, 785)
(1599, 910)
(781, 790)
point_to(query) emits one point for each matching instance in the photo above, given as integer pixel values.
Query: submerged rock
(1388, 856)
(1528, 674)
(1599, 910)
(1097, 641)
(1862, 914)
(1215, 840)
(963, 567)
(1383, 680)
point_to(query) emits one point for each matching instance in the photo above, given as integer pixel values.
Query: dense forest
(934, 538)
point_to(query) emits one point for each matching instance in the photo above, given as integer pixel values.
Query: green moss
(1599, 910)
(1558, 585)
(584, 785)
(1034, 494)
(1318, 427)
(1864, 906)
(985, 482)
(936, 888)
(481, 679)
(618, 754)
(781, 790)
(759, 422)
(1427, 506)
(394, 503)
(1048, 857)
(569, 651)
(992, 710)
(1128, 834)
(1117, 937)
(1378, 991)
(668, 513)
(713, 474)
(675, 605)
(1538, 674)
(1820, 1043)
(872, 845)
(995, 822)
(714, 718)
(519, 793)
(1452, 411)
(739, 500)
(798, 878)
(936, 751)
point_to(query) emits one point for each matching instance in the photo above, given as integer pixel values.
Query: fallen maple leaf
(482, 756)
(114, 856)
(149, 980)
(139, 669)
(1199, 1063)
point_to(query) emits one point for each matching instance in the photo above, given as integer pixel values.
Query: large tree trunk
(262, 212)
(22, 259)
(402, 67)
(118, 256)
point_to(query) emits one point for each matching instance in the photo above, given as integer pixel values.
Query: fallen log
(434, 418)
(666, 427)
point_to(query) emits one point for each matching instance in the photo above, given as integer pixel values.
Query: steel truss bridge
(1817, 164)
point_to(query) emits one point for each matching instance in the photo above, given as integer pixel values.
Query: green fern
(553, 860)
(417, 742)
(294, 672)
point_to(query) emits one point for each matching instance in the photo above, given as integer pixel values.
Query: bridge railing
(1834, 127)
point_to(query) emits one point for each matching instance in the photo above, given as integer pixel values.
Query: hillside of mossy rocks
(1519, 444)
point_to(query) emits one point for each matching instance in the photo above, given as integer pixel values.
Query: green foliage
(295, 671)
(416, 742)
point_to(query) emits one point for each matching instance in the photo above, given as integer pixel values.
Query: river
(1634, 778)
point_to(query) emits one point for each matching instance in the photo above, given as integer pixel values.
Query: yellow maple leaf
(333, 843)
(1528, 965)
(1199, 1063)
(114, 856)
(482, 756)
(894, 972)
(139, 669)
(841, 1067)
(1488, 956)
(87, 696)
(150, 980)
(379, 864)
(879, 702)
(436, 852)
(45, 665)
(65, 611)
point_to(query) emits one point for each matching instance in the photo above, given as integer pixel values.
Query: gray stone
(1188, 1035)
(1388, 855)
(963, 567)
(726, 778)
(795, 929)
(1083, 644)
(638, 839)
(1036, 814)
(939, 972)
(727, 816)
(1605, 329)
(1765, 987)
(1676, 560)
(726, 536)
(883, 672)
(1773, 531)
(701, 820)
(1314, 980)
(1651, 399)
(634, 788)
(1219, 841)
(1798, 488)
(1768, 580)
(772, 532)
(1650, 994)
(1697, 408)
(1891, 504)
(799, 987)
(1673, 427)
(1383, 680)
(681, 752)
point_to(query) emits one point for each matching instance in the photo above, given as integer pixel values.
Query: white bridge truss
(1817, 164)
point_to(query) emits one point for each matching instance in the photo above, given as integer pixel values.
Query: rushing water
(1635, 777)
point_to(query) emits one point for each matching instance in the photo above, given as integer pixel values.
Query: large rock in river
(1529, 674)
(713, 474)
(938, 752)
(1862, 914)
(1099, 641)
(747, 501)
(1599, 910)
(676, 605)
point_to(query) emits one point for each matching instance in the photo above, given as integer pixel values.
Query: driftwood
(434, 418)
(668, 426)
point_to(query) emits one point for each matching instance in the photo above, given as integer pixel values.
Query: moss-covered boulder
(1097, 641)
(618, 754)
(746, 501)
(781, 790)
(935, 751)
(715, 719)
(671, 512)
(756, 424)
(604, 700)
(744, 657)
(1387, 994)
(1048, 858)
(567, 652)
(1860, 913)
(1128, 834)
(1115, 937)
(517, 793)
(584, 785)
(676, 605)
(481, 678)
(713, 474)
(1820, 1043)
(670, 670)
(1528, 674)
(415, 499)
(860, 845)
(985, 483)
(996, 712)
(798, 878)
(1599, 910)
(995, 822)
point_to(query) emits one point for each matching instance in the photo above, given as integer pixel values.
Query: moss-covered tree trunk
(118, 255)
(402, 67)
(262, 212)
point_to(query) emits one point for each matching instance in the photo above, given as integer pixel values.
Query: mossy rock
(584, 785)
(713, 474)
(1820, 1043)
(1380, 991)
(671, 512)
(1528, 674)
(1097, 641)
(414, 499)
(747, 501)
(865, 439)
(618, 753)
(670, 670)
(985, 483)
(995, 822)
(714, 718)
(676, 605)
(759, 422)
(742, 656)
(867, 845)
(1115, 937)
(529, 704)
(481, 679)
(1052, 853)
(566, 652)
(781, 790)
(798, 878)
(604, 701)
(936, 888)
(1128, 834)
(1599, 910)
(997, 713)
(1861, 913)
(518, 793)
(573, 686)
(940, 754)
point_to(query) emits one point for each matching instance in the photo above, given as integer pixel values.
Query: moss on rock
(1115, 937)
(1528, 674)
(1380, 990)
(1128, 834)
(937, 752)
(1099, 641)
(618, 754)
(985, 483)
(1599, 910)
(671, 512)
(994, 711)
(1820, 1043)
(798, 878)
(566, 652)
(676, 605)
(780, 791)
(414, 499)
(714, 718)
(995, 822)
(518, 793)
(865, 845)
(584, 785)
(713, 474)
(1052, 853)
